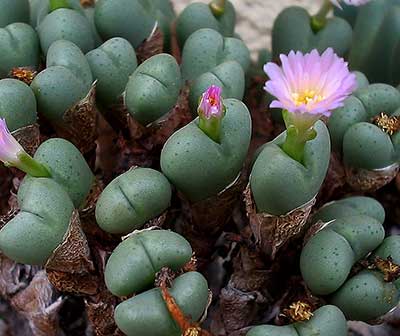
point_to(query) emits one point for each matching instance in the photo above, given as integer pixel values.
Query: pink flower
(211, 103)
(10, 149)
(350, 2)
(311, 83)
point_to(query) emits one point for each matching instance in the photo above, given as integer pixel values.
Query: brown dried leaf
(91, 199)
(313, 230)
(79, 123)
(272, 232)
(370, 180)
(28, 137)
(100, 311)
(39, 304)
(70, 268)
(248, 290)
(141, 145)
(156, 222)
(153, 45)
(204, 220)
(14, 277)
(12, 212)
(238, 308)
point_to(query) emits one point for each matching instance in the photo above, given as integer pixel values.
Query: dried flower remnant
(217, 7)
(388, 124)
(88, 3)
(307, 87)
(188, 328)
(13, 155)
(25, 75)
(390, 270)
(298, 312)
(211, 111)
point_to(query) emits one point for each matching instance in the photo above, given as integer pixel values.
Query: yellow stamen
(306, 97)
(388, 124)
(193, 331)
(298, 311)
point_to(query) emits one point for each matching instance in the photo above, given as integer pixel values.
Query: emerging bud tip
(211, 105)
(211, 111)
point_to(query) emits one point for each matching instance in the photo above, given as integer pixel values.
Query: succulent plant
(153, 89)
(209, 58)
(17, 104)
(350, 206)
(362, 143)
(146, 314)
(206, 48)
(366, 296)
(20, 47)
(66, 24)
(13, 11)
(280, 184)
(328, 257)
(67, 167)
(134, 273)
(375, 48)
(326, 321)
(58, 181)
(40, 8)
(351, 235)
(200, 15)
(32, 235)
(127, 273)
(112, 63)
(293, 30)
(131, 199)
(65, 81)
(131, 19)
(200, 167)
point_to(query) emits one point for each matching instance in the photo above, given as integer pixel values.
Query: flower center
(212, 101)
(306, 97)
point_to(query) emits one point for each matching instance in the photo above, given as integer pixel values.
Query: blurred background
(256, 17)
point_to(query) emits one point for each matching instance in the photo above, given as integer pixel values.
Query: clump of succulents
(364, 132)
(58, 181)
(354, 230)
(130, 273)
(131, 175)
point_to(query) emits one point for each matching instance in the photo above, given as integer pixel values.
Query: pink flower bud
(211, 105)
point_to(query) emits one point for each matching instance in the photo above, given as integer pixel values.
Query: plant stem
(299, 130)
(30, 166)
(56, 4)
(211, 127)
(217, 7)
(318, 21)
